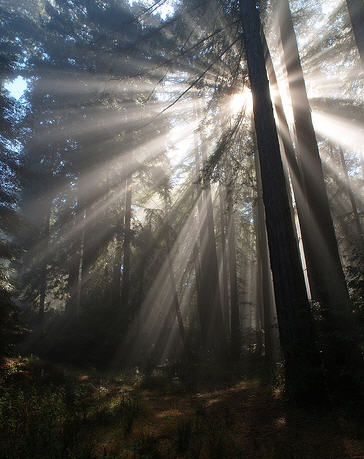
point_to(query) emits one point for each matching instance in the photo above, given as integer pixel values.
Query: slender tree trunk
(322, 229)
(118, 259)
(350, 195)
(293, 174)
(116, 270)
(44, 270)
(258, 285)
(356, 12)
(327, 282)
(212, 326)
(216, 332)
(283, 128)
(212, 289)
(199, 244)
(197, 266)
(266, 278)
(80, 264)
(125, 287)
(173, 284)
(235, 342)
(303, 377)
(224, 274)
(175, 301)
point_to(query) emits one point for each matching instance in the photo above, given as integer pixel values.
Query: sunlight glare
(340, 131)
(242, 100)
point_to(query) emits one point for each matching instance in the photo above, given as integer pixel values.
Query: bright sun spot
(16, 87)
(242, 100)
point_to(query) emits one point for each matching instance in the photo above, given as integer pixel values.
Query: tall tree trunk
(303, 377)
(212, 326)
(199, 243)
(173, 285)
(175, 300)
(351, 197)
(235, 342)
(118, 258)
(216, 333)
(44, 269)
(80, 264)
(266, 278)
(259, 304)
(327, 280)
(224, 273)
(356, 12)
(197, 266)
(283, 129)
(125, 288)
(293, 174)
(321, 226)
(116, 269)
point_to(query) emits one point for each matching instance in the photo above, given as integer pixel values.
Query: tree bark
(224, 273)
(327, 280)
(302, 362)
(235, 342)
(211, 287)
(44, 270)
(117, 262)
(175, 300)
(125, 288)
(351, 197)
(211, 321)
(319, 218)
(80, 264)
(266, 278)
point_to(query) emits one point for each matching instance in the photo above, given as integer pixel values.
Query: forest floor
(47, 411)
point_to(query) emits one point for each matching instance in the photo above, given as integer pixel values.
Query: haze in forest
(181, 202)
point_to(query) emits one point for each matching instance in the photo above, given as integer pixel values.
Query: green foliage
(44, 413)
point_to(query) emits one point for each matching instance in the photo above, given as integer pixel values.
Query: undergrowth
(52, 413)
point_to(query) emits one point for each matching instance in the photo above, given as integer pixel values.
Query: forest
(181, 229)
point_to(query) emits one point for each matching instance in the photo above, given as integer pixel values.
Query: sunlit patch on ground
(241, 419)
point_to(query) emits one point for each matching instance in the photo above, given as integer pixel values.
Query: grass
(49, 412)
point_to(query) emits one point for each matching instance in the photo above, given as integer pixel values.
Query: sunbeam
(340, 131)
(181, 228)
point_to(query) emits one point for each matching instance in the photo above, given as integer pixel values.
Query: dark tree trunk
(283, 129)
(175, 302)
(356, 12)
(80, 264)
(116, 270)
(117, 262)
(266, 278)
(327, 280)
(44, 269)
(211, 288)
(322, 242)
(200, 230)
(303, 376)
(235, 342)
(125, 288)
(351, 197)
(173, 284)
(224, 273)
(211, 321)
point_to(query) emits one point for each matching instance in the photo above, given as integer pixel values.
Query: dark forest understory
(181, 229)
(58, 412)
